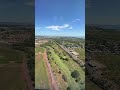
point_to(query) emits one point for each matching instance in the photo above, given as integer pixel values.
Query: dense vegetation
(64, 68)
(107, 46)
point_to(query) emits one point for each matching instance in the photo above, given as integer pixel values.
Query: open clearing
(8, 54)
(81, 52)
(11, 77)
(10, 69)
(41, 74)
(90, 85)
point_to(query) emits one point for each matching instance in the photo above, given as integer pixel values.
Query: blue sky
(60, 17)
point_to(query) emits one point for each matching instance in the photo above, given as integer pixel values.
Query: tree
(65, 58)
(75, 74)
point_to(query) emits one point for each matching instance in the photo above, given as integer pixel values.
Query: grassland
(90, 85)
(10, 69)
(64, 68)
(10, 78)
(41, 74)
(39, 49)
(8, 54)
(81, 52)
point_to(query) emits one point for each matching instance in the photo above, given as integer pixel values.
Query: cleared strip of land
(53, 81)
(10, 77)
(41, 74)
(11, 73)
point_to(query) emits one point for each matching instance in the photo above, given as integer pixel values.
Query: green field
(39, 49)
(89, 85)
(8, 54)
(11, 78)
(10, 69)
(65, 67)
(81, 52)
(41, 74)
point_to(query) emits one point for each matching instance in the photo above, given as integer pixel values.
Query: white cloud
(57, 27)
(76, 20)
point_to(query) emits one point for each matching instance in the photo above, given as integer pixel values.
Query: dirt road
(26, 76)
(53, 81)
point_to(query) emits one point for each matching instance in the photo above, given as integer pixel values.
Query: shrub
(64, 78)
(75, 74)
(68, 88)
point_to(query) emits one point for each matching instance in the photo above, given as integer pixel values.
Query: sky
(60, 18)
(20, 11)
(103, 12)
